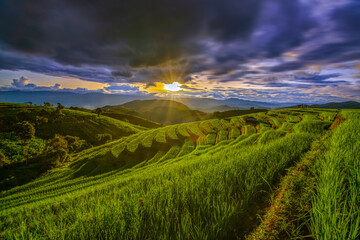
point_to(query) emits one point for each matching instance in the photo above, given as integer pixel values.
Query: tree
(99, 111)
(3, 160)
(216, 114)
(55, 115)
(47, 104)
(59, 108)
(56, 152)
(24, 130)
(23, 115)
(75, 144)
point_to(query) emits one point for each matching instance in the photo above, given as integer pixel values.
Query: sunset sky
(270, 50)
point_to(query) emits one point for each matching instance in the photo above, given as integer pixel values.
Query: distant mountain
(220, 108)
(94, 100)
(333, 105)
(87, 100)
(121, 109)
(341, 105)
(204, 104)
(164, 111)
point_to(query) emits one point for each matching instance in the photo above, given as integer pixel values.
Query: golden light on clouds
(77, 83)
(157, 87)
(316, 67)
(174, 87)
(160, 87)
(357, 66)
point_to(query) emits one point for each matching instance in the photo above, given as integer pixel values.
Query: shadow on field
(20, 173)
(106, 162)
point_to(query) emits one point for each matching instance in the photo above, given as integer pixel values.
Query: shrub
(56, 115)
(58, 142)
(103, 138)
(99, 111)
(41, 120)
(24, 130)
(75, 144)
(15, 150)
(56, 152)
(54, 158)
(24, 115)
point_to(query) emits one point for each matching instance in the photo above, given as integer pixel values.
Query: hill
(220, 108)
(333, 105)
(338, 105)
(75, 123)
(165, 111)
(236, 112)
(203, 104)
(203, 180)
(123, 114)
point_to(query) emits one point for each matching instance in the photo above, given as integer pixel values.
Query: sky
(263, 50)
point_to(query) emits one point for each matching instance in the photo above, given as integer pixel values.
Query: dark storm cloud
(12, 61)
(287, 66)
(142, 41)
(236, 76)
(334, 52)
(348, 18)
(122, 88)
(125, 73)
(318, 78)
(138, 32)
(282, 25)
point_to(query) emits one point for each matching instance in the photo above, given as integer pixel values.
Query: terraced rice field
(200, 180)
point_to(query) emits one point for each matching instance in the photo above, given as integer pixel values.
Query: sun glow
(175, 86)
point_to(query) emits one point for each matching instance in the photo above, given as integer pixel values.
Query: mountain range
(94, 100)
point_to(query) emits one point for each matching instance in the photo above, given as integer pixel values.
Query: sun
(174, 87)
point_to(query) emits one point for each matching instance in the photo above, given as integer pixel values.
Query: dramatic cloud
(21, 82)
(119, 32)
(269, 49)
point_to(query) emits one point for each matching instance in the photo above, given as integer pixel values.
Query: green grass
(271, 135)
(215, 123)
(211, 139)
(167, 184)
(134, 142)
(132, 119)
(161, 135)
(249, 129)
(192, 189)
(205, 126)
(194, 129)
(171, 133)
(336, 205)
(181, 129)
(187, 148)
(328, 115)
(147, 140)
